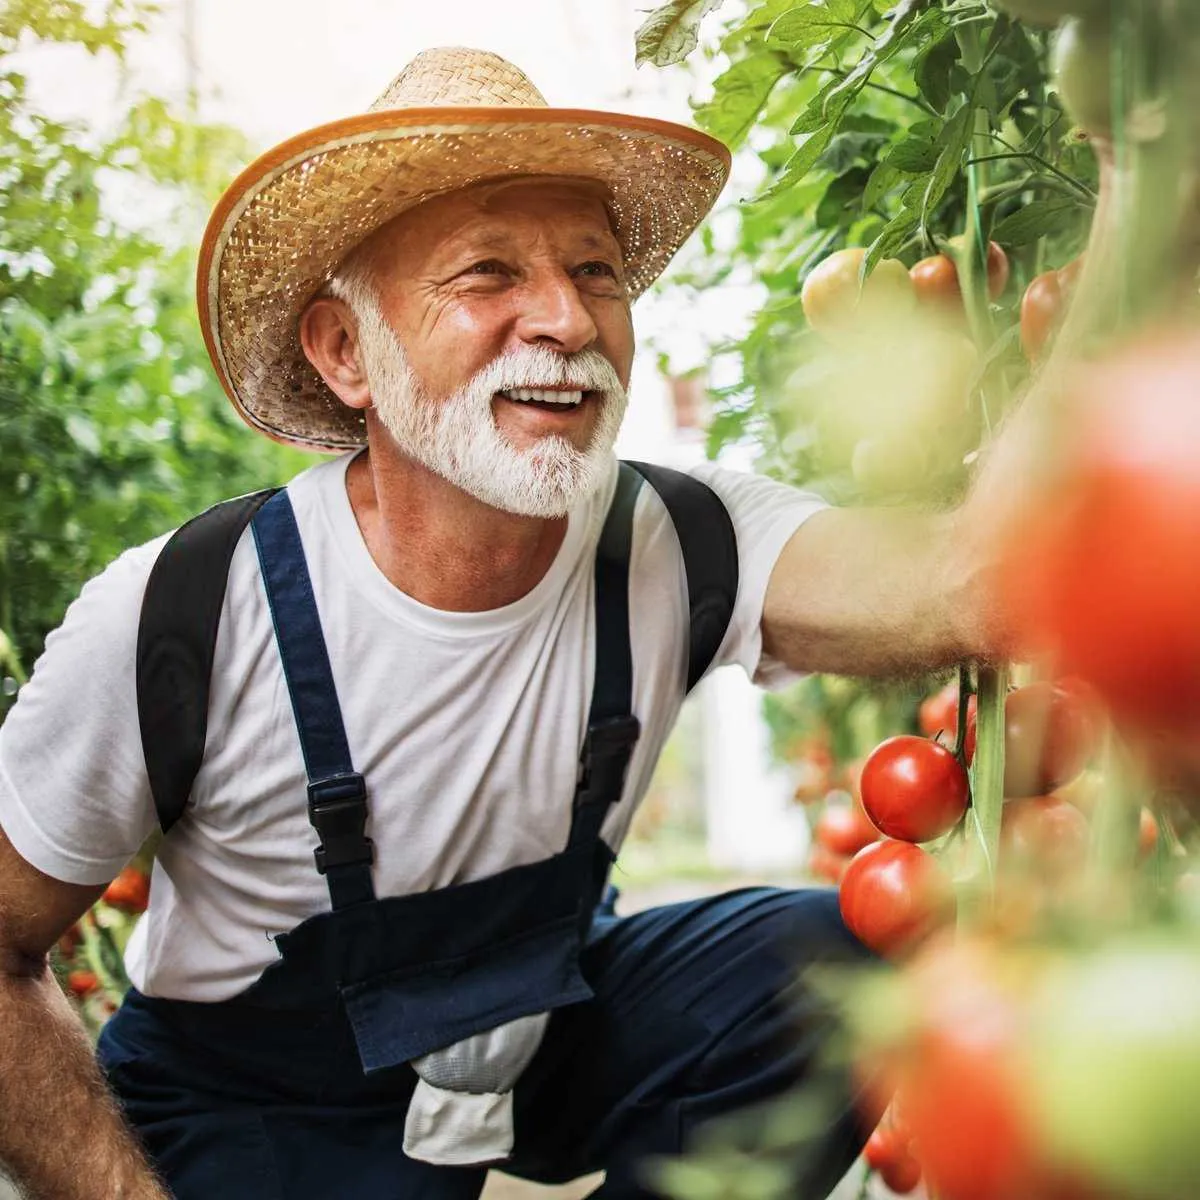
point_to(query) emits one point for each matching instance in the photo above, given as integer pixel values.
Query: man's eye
(488, 266)
(598, 268)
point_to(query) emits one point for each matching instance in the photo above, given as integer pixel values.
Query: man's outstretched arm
(863, 591)
(62, 1136)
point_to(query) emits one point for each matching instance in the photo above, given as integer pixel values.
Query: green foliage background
(893, 127)
(113, 428)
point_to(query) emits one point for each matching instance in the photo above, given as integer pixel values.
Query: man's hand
(61, 1134)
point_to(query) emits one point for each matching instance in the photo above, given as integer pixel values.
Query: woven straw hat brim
(284, 225)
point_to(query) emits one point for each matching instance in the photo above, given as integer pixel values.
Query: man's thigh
(701, 1009)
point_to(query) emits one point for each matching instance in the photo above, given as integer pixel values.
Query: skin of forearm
(62, 1136)
(877, 592)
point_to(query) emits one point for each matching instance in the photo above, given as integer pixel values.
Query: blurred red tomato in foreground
(1104, 571)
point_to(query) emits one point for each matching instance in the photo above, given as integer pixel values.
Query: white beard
(457, 438)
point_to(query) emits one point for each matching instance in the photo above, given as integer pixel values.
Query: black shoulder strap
(710, 559)
(177, 637)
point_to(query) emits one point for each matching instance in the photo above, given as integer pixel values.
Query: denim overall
(298, 1087)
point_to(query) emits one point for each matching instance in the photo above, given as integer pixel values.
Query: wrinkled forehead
(580, 206)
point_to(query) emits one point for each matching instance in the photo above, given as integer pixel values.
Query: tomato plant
(914, 789)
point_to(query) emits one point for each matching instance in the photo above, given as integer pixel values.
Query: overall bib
(300, 1086)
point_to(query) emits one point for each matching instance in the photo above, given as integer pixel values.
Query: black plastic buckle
(337, 809)
(606, 741)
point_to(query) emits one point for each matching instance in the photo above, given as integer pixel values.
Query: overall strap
(612, 729)
(177, 637)
(710, 559)
(337, 795)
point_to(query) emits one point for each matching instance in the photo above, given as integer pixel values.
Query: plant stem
(1044, 163)
(988, 767)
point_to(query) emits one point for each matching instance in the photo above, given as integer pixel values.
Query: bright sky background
(275, 67)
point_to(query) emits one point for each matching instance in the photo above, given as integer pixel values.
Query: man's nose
(553, 314)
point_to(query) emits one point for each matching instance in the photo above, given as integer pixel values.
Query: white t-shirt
(466, 726)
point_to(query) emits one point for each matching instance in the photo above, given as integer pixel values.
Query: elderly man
(449, 659)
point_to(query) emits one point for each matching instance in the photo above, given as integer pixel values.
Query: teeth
(544, 395)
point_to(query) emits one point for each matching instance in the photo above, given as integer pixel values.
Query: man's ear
(329, 336)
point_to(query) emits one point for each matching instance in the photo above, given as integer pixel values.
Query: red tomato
(939, 713)
(1103, 570)
(935, 279)
(824, 864)
(130, 891)
(902, 1175)
(962, 1084)
(1147, 834)
(1049, 735)
(1046, 831)
(893, 895)
(883, 1146)
(1042, 309)
(69, 942)
(913, 789)
(844, 829)
(82, 983)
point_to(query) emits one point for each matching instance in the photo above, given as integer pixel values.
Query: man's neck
(441, 546)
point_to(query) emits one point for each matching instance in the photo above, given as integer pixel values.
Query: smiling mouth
(548, 399)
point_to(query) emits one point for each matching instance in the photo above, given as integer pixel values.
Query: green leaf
(801, 162)
(739, 95)
(882, 180)
(933, 71)
(1035, 220)
(848, 149)
(955, 138)
(803, 27)
(894, 235)
(914, 155)
(669, 34)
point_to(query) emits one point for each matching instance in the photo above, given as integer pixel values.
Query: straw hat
(451, 118)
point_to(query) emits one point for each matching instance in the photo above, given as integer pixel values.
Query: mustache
(538, 366)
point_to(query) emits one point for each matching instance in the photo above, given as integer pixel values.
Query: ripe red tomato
(844, 829)
(1147, 834)
(82, 983)
(1042, 310)
(1102, 571)
(893, 895)
(961, 1081)
(883, 1146)
(1048, 739)
(935, 279)
(130, 891)
(1047, 832)
(939, 713)
(824, 864)
(901, 1175)
(914, 789)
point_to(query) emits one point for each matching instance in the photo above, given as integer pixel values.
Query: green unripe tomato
(1082, 72)
(1048, 13)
